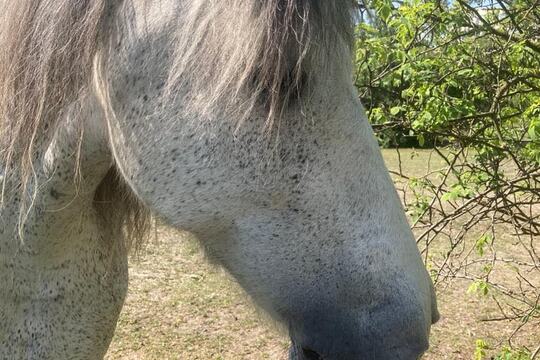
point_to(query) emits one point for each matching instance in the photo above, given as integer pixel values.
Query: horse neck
(65, 176)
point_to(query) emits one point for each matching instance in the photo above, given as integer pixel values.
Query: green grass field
(180, 307)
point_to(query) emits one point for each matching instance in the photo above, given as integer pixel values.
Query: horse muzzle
(306, 353)
(390, 332)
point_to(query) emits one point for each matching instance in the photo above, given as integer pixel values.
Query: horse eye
(289, 89)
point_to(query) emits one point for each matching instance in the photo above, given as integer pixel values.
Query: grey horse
(236, 120)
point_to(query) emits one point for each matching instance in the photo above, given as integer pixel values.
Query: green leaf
(385, 11)
(481, 243)
(479, 287)
(480, 349)
(395, 110)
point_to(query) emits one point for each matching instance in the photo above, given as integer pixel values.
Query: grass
(180, 307)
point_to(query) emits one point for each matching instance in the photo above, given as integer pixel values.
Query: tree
(463, 77)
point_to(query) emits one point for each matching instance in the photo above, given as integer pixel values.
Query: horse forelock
(267, 49)
(222, 48)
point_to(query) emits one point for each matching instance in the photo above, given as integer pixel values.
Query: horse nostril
(311, 355)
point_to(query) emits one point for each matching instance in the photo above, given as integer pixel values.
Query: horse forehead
(149, 51)
(139, 81)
